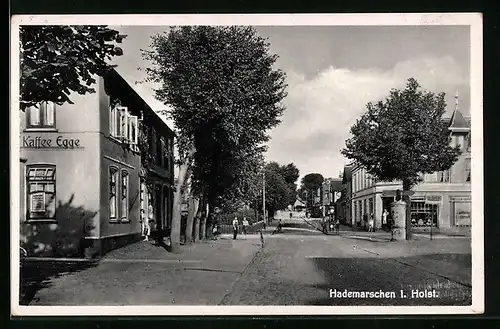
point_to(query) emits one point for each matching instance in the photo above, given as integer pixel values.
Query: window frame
(113, 191)
(124, 196)
(44, 181)
(42, 116)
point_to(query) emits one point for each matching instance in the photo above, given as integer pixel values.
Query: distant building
(442, 199)
(84, 187)
(331, 189)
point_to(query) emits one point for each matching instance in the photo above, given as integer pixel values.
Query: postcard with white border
(289, 164)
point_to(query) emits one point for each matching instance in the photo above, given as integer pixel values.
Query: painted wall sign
(462, 213)
(59, 142)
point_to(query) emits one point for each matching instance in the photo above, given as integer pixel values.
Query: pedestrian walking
(278, 227)
(215, 231)
(370, 223)
(148, 222)
(245, 226)
(235, 227)
(336, 222)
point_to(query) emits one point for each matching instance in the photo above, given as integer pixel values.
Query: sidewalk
(144, 274)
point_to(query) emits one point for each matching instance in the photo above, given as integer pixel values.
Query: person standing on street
(384, 218)
(235, 227)
(370, 223)
(245, 226)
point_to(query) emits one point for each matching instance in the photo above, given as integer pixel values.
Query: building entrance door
(386, 204)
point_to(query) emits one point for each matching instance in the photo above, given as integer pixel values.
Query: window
(122, 125)
(424, 214)
(443, 176)
(159, 150)
(41, 183)
(164, 146)
(124, 195)
(113, 178)
(467, 170)
(42, 116)
(432, 178)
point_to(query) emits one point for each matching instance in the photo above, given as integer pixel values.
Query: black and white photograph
(246, 164)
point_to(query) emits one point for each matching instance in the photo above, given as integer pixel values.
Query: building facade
(442, 200)
(87, 185)
(344, 202)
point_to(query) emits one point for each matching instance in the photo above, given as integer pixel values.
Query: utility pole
(264, 196)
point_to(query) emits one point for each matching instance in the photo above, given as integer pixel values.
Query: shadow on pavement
(36, 275)
(394, 275)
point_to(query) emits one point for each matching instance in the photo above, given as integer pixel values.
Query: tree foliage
(224, 96)
(310, 184)
(403, 136)
(58, 60)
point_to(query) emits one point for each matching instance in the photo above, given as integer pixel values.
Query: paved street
(296, 267)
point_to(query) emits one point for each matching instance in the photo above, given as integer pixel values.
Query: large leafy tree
(291, 174)
(58, 60)
(277, 189)
(310, 184)
(224, 96)
(402, 137)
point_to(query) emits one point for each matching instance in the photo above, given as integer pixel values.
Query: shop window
(124, 195)
(41, 116)
(41, 181)
(113, 178)
(122, 125)
(424, 214)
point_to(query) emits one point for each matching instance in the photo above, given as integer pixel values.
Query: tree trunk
(196, 203)
(175, 234)
(197, 219)
(189, 223)
(203, 220)
(406, 198)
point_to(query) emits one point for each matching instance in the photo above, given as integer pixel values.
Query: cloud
(321, 110)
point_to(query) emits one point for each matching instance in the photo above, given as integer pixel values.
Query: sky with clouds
(332, 72)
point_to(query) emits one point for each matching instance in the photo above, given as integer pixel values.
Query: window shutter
(133, 126)
(112, 121)
(123, 124)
